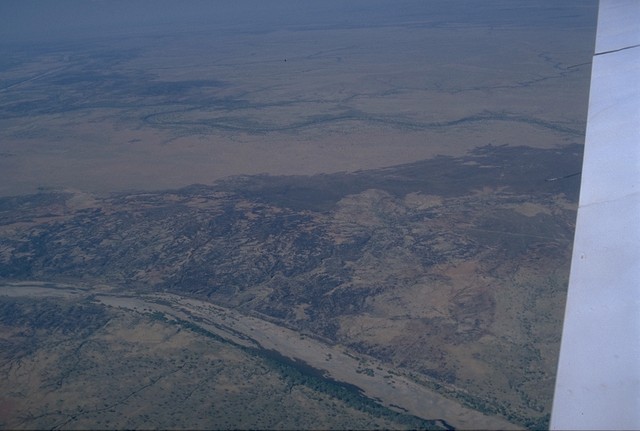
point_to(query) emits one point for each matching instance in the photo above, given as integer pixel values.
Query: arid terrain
(166, 108)
(452, 270)
(315, 221)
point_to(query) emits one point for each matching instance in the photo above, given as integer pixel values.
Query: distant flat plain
(372, 176)
(163, 108)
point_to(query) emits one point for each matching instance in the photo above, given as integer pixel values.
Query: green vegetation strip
(297, 372)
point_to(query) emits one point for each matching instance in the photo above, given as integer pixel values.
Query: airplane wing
(598, 380)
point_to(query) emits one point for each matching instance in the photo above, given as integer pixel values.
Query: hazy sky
(34, 20)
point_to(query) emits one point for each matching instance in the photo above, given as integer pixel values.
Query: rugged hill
(452, 269)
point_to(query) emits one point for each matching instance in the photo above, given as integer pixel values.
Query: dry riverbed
(388, 386)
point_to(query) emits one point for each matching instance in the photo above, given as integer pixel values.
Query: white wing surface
(598, 381)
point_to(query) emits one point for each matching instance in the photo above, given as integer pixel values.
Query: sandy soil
(383, 384)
